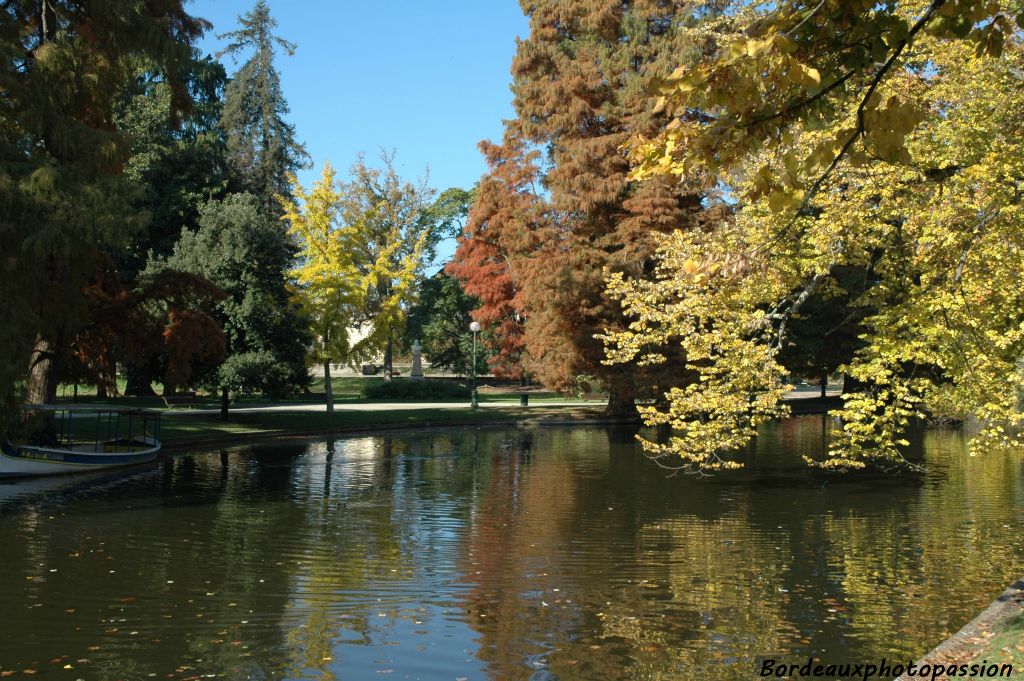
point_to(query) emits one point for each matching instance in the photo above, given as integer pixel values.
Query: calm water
(542, 553)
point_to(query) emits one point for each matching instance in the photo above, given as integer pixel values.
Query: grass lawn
(347, 390)
(1004, 645)
(183, 429)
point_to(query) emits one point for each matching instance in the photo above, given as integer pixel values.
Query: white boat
(72, 440)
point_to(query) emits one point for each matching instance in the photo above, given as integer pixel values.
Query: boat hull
(27, 460)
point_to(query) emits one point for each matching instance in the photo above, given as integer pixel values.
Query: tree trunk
(43, 372)
(224, 401)
(138, 382)
(824, 385)
(328, 388)
(851, 385)
(621, 399)
(389, 358)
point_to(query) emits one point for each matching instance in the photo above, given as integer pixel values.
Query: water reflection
(520, 553)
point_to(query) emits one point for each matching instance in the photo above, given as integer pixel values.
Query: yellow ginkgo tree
(933, 229)
(350, 274)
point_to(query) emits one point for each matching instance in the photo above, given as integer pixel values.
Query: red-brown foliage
(165, 321)
(556, 210)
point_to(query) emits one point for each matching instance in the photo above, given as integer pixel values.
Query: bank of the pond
(203, 431)
(994, 637)
(194, 430)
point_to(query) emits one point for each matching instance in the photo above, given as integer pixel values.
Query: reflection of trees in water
(161, 586)
(351, 543)
(514, 554)
(920, 576)
(706, 575)
(568, 551)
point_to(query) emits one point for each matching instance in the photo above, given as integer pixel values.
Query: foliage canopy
(908, 172)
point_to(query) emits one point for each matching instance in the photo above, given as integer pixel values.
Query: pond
(513, 553)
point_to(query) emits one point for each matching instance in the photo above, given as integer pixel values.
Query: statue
(417, 362)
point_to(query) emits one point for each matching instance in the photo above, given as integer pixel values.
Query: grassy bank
(1006, 645)
(177, 433)
(994, 637)
(1002, 644)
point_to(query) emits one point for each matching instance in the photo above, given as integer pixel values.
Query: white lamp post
(474, 327)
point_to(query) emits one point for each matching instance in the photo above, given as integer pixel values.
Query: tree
(176, 167)
(62, 158)
(396, 225)
(932, 220)
(559, 207)
(445, 219)
(165, 322)
(178, 161)
(798, 64)
(440, 319)
(507, 211)
(261, 143)
(241, 251)
(354, 266)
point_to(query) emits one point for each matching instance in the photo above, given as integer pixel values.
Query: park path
(377, 406)
(806, 392)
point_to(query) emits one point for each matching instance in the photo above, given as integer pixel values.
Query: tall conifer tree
(63, 197)
(261, 143)
(581, 91)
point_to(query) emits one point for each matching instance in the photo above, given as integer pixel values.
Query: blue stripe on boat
(77, 458)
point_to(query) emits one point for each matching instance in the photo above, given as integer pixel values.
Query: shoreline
(276, 423)
(973, 639)
(366, 429)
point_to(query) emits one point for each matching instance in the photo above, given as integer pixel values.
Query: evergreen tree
(63, 194)
(241, 250)
(440, 320)
(581, 91)
(261, 143)
(178, 165)
(176, 168)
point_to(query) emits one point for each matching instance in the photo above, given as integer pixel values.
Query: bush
(407, 389)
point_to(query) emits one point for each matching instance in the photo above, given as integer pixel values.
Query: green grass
(178, 431)
(347, 390)
(1005, 646)
(181, 429)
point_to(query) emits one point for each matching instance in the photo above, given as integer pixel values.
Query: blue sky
(428, 78)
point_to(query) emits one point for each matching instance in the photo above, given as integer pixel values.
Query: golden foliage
(928, 206)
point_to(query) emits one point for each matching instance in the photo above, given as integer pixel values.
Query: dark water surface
(541, 553)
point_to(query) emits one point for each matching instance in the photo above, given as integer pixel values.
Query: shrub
(407, 389)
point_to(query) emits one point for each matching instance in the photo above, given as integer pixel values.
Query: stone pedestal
(416, 373)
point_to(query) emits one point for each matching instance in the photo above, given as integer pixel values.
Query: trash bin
(524, 400)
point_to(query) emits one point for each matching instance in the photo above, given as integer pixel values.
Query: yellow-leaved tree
(915, 227)
(350, 274)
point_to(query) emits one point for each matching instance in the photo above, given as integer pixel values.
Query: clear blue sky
(428, 78)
